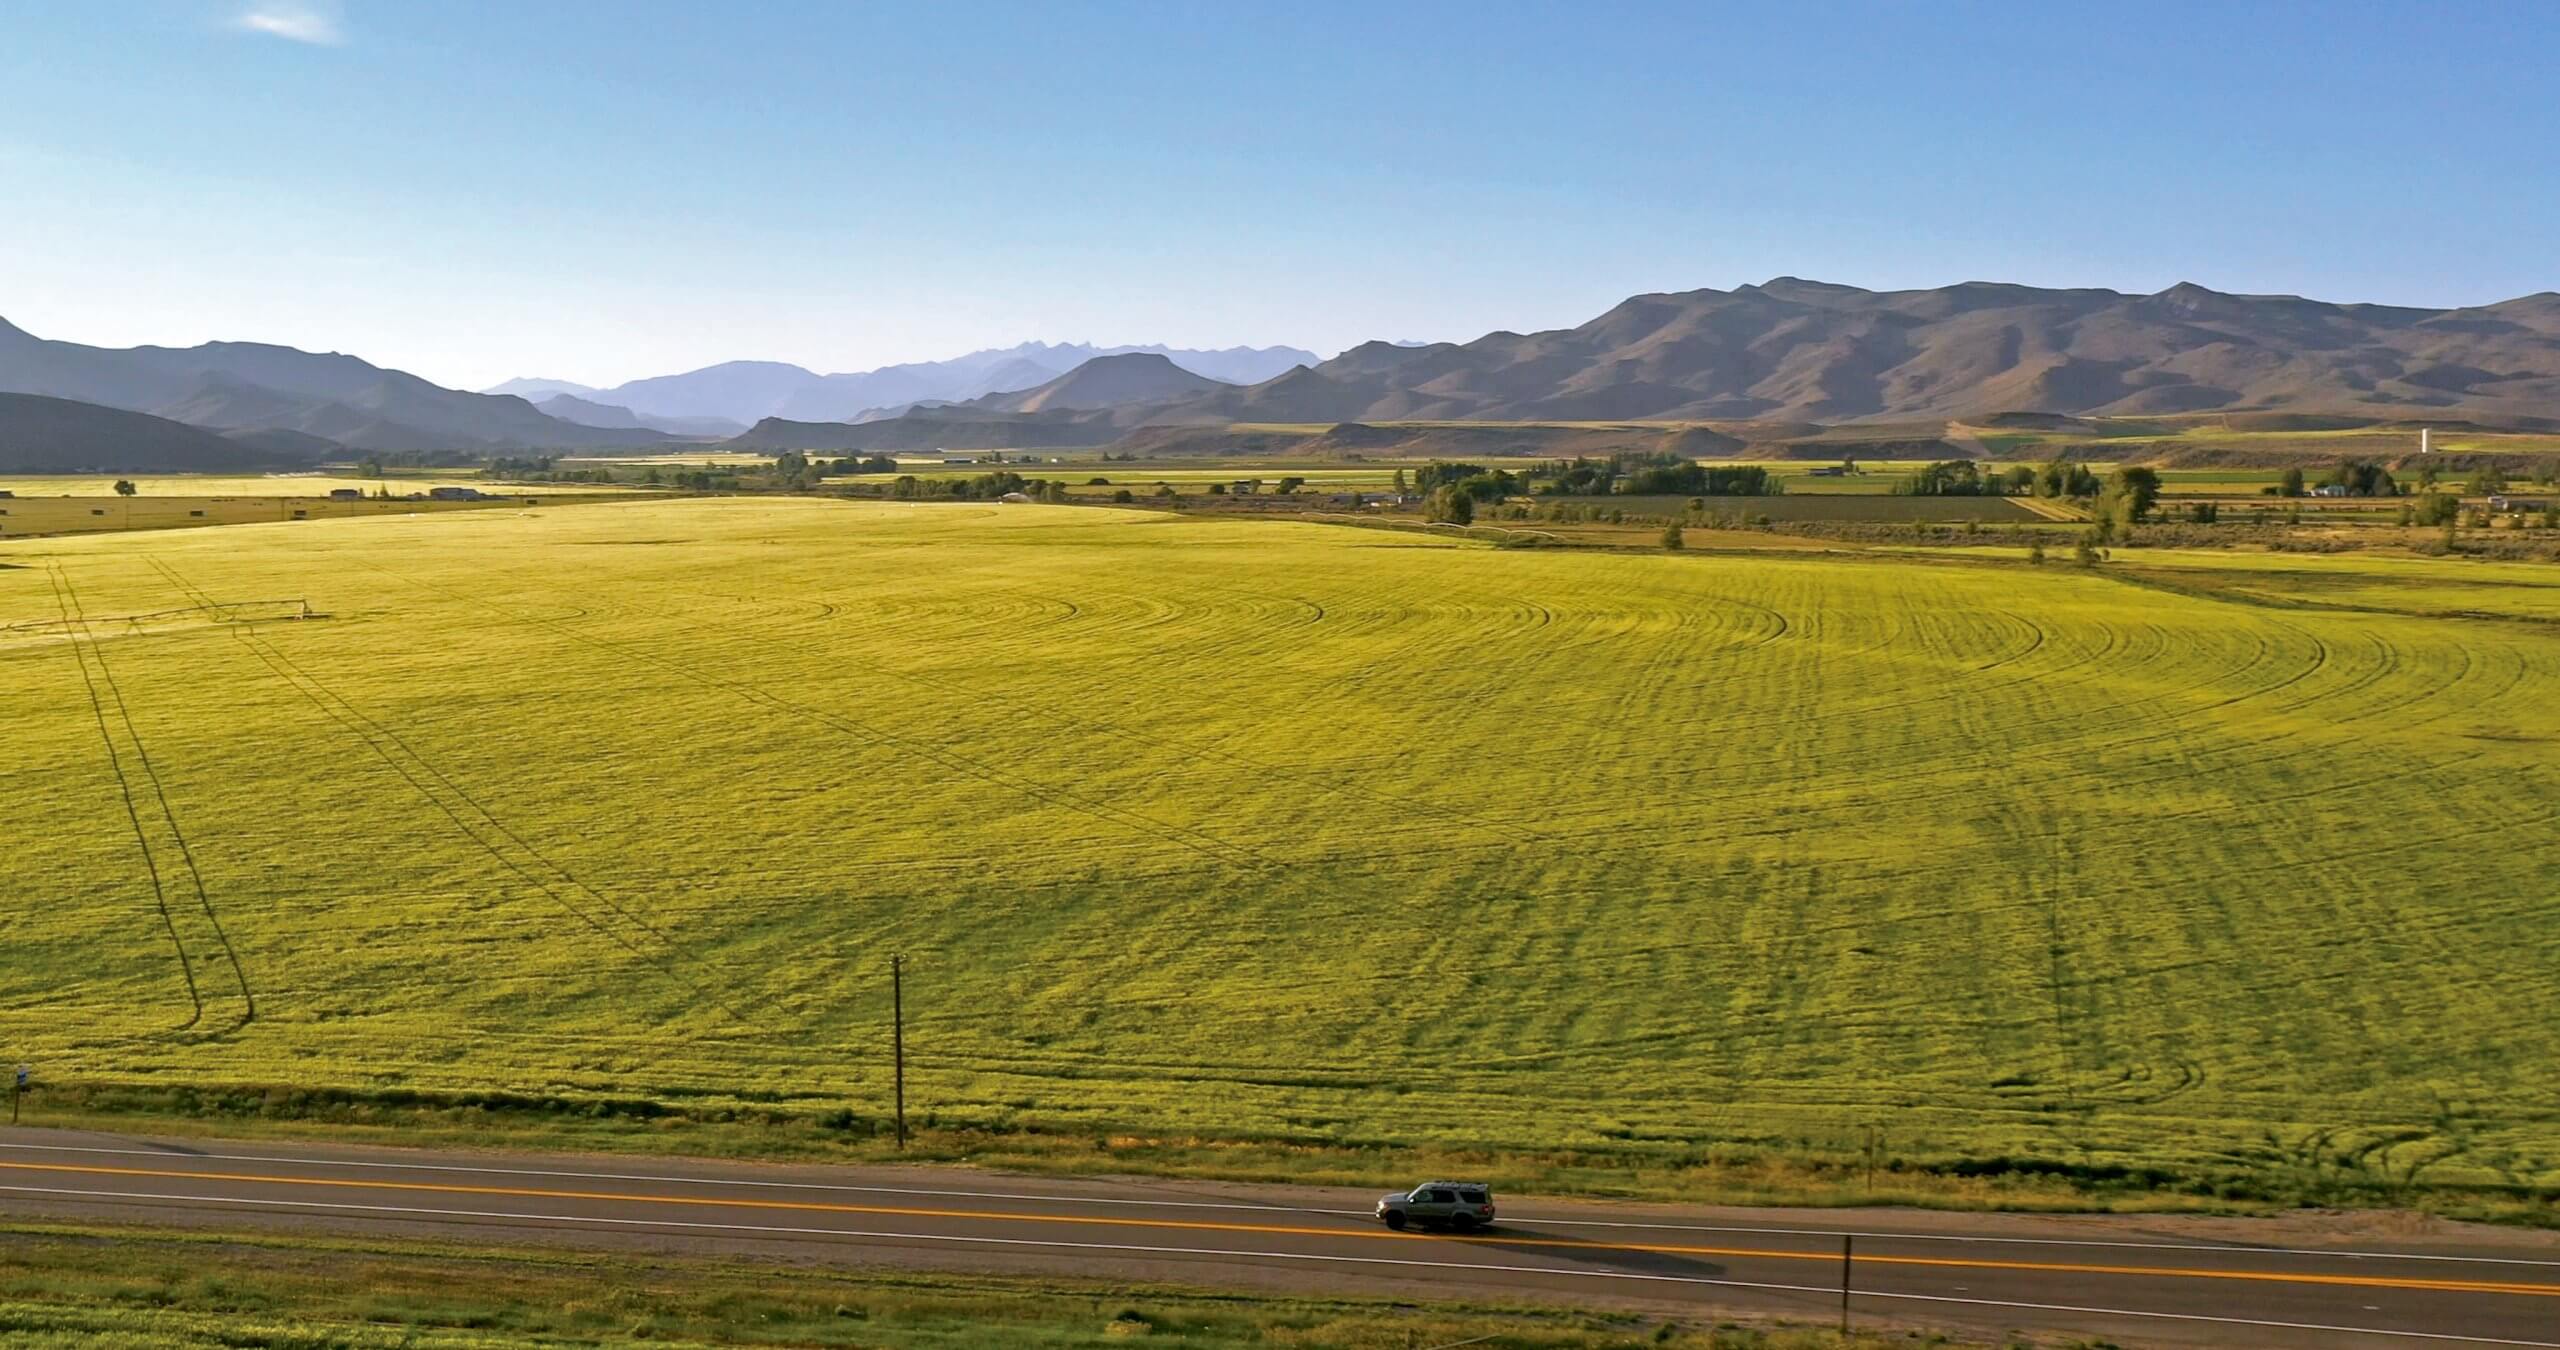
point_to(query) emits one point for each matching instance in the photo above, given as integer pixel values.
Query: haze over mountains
(747, 391)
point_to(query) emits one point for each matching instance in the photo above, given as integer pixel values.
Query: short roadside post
(17, 1093)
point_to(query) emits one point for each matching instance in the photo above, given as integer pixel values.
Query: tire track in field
(1196, 841)
(416, 770)
(133, 816)
(104, 689)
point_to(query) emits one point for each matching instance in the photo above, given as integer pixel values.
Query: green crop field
(1858, 507)
(1281, 831)
(270, 485)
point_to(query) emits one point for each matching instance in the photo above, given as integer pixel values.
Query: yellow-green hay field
(1287, 832)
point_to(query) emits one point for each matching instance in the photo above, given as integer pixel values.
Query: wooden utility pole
(898, 1037)
(1846, 1239)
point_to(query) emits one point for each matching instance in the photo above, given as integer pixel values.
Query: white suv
(1455, 1205)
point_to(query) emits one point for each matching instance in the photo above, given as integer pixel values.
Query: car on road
(1454, 1205)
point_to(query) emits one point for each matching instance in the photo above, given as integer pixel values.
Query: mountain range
(254, 387)
(1094, 404)
(1795, 353)
(748, 391)
(1805, 351)
(1739, 363)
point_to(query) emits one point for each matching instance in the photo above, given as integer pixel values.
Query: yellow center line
(1379, 1235)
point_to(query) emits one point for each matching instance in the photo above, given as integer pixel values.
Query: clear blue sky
(607, 190)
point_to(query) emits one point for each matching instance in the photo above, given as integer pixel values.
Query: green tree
(1672, 539)
(125, 487)
(1450, 506)
(2138, 488)
(2292, 483)
(2488, 479)
(2035, 550)
(1400, 487)
(2087, 553)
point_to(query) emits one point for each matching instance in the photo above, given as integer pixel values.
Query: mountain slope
(1105, 382)
(945, 429)
(1811, 351)
(588, 413)
(248, 385)
(53, 435)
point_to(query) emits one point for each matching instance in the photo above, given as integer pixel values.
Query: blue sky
(609, 190)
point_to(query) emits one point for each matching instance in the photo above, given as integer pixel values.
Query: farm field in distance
(1327, 839)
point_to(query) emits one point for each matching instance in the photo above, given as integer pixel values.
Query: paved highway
(2137, 1281)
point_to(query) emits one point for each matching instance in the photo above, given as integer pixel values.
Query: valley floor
(1340, 845)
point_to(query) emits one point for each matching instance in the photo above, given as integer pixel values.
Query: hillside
(53, 435)
(1105, 382)
(1809, 351)
(248, 386)
(946, 430)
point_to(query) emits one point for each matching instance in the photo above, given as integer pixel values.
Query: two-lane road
(2158, 1281)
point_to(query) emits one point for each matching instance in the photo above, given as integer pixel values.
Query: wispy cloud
(319, 22)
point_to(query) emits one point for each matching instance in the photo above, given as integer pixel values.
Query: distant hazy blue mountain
(749, 391)
(588, 413)
(537, 390)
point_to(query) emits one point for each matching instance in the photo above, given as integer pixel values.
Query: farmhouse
(1245, 486)
(2329, 490)
(453, 494)
(346, 494)
(2503, 502)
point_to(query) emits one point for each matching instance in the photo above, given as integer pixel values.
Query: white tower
(2426, 437)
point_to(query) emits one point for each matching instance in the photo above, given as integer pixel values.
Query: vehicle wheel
(1462, 1225)
(1395, 1219)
